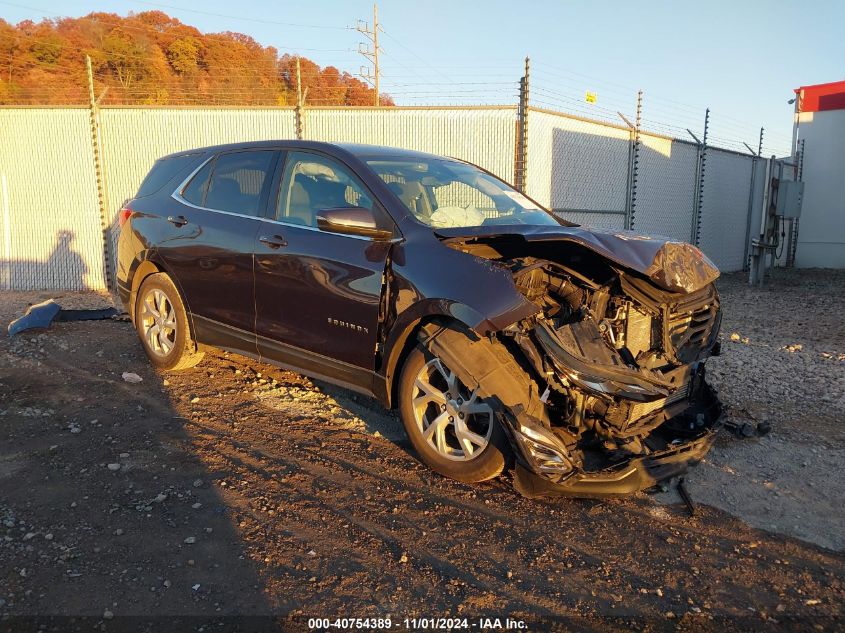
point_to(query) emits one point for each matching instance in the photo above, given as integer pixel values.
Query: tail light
(125, 212)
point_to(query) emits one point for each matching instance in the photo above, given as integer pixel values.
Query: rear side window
(239, 182)
(197, 188)
(164, 170)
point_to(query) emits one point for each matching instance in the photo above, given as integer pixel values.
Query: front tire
(453, 431)
(162, 325)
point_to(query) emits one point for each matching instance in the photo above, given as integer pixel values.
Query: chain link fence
(586, 171)
(666, 183)
(724, 209)
(578, 168)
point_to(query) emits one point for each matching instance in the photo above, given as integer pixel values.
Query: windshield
(445, 193)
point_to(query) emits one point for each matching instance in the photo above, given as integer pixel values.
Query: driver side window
(312, 183)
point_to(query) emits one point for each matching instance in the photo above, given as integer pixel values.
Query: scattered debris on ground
(41, 315)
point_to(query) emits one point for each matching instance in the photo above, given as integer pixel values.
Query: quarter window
(164, 170)
(239, 182)
(196, 189)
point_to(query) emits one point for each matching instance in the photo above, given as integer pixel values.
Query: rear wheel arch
(142, 271)
(164, 325)
(149, 267)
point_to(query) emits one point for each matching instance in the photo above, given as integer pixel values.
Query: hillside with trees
(150, 58)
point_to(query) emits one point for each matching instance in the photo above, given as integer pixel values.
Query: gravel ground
(237, 488)
(787, 367)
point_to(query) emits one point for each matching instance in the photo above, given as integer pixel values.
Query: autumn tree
(153, 58)
(184, 54)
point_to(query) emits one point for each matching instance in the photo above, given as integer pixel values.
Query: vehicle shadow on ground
(108, 512)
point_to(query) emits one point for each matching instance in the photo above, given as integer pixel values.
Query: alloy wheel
(158, 322)
(453, 421)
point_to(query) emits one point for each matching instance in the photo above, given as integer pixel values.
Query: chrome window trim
(177, 195)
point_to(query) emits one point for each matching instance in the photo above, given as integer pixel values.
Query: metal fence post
(794, 225)
(520, 172)
(633, 166)
(695, 229)
(745, 261)
(102, 196)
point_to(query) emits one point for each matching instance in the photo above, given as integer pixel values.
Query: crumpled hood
(672, 265)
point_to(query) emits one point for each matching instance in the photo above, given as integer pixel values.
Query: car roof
(359, 150)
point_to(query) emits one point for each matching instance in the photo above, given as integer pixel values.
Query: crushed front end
(617, 362)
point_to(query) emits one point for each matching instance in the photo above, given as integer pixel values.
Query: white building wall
(821, 237)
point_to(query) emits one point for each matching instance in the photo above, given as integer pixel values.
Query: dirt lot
(239, 489)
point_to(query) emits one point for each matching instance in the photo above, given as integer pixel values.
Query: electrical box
(790, 197)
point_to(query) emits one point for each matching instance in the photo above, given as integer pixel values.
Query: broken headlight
(544, 452)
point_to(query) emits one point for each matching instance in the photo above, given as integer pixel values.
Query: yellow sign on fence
(591, 97)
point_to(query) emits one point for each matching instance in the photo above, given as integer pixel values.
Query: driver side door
(318, 293)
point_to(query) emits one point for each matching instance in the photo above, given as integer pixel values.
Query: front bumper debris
(688, 436)
(41, 315)
(622, 479)
(680, 429)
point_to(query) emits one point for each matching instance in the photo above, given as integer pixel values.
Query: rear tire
(470, 448)
(162, 325)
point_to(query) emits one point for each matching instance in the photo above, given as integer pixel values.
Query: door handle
(273, 241)
(179, 220)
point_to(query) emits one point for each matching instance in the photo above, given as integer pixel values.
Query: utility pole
(102, 196)
(299, 111)
(370, 53)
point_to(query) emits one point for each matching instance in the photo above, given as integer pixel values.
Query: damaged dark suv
(503, 334)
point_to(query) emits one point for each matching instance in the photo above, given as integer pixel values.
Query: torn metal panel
(674, 266)
(486, 365)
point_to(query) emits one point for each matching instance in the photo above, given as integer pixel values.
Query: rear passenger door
(210, 250)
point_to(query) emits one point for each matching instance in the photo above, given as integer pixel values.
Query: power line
(399, 42)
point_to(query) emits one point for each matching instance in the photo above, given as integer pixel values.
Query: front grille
(690, 325)
(690, 322)
(642, 409)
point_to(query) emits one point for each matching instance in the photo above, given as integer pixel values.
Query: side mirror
(351, 221)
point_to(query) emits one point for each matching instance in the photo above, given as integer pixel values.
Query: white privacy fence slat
(576, 166)
(485, 137)
(50, 234)
(666, 182)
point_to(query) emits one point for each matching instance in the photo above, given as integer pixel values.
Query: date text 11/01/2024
(418, 624)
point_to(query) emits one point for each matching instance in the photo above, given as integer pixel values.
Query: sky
(740, 58)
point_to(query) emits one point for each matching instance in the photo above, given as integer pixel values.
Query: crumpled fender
(486, 365)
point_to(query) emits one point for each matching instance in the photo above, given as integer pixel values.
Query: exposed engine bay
(603, 388)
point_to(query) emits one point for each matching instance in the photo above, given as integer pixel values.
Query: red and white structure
(820, 123)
